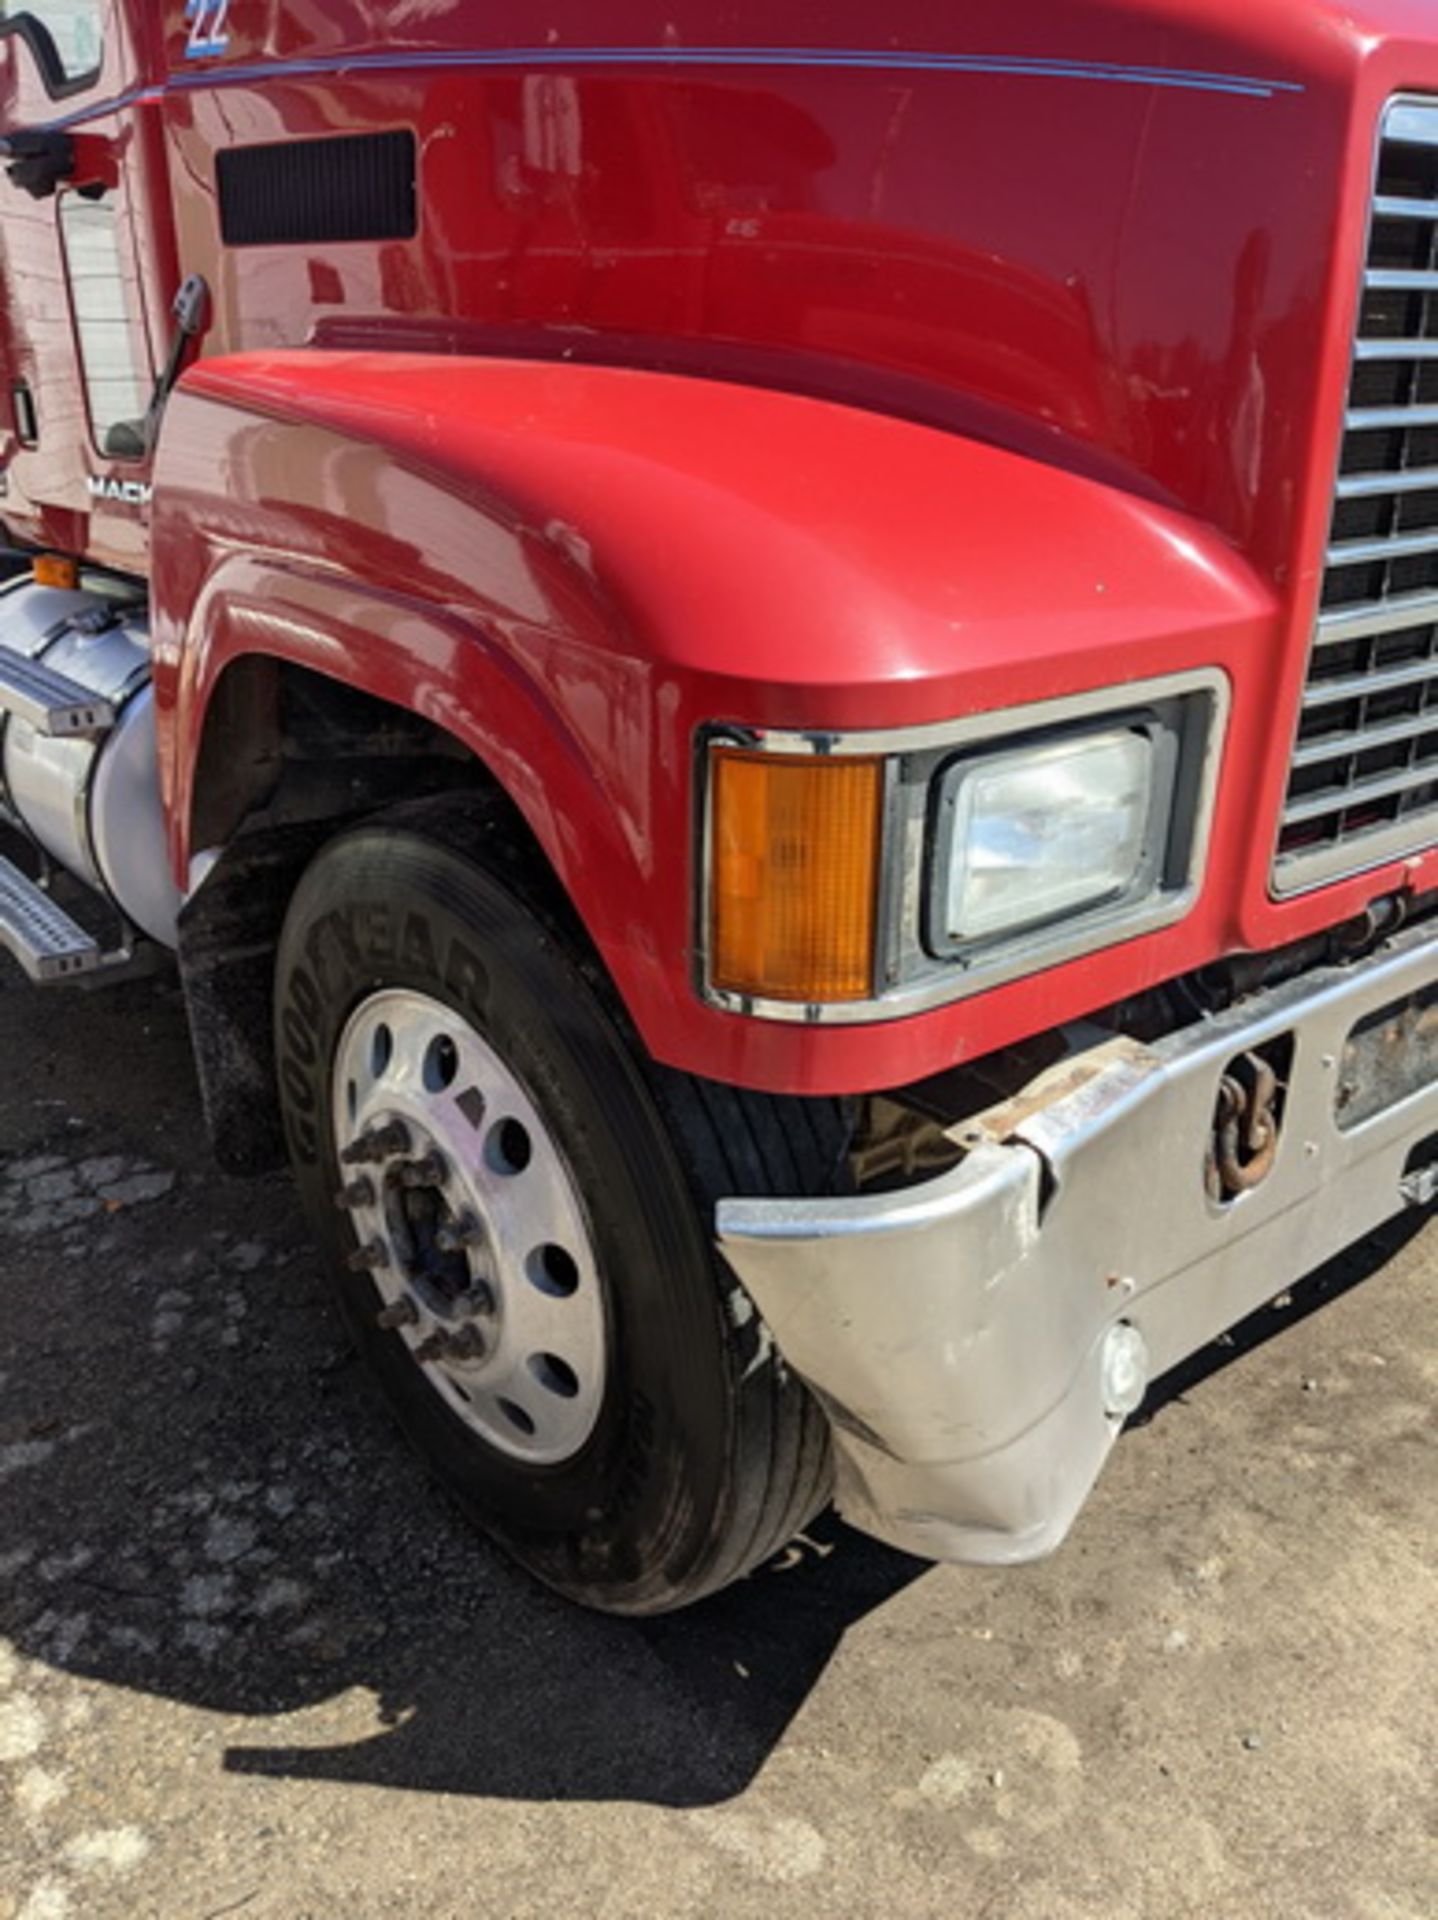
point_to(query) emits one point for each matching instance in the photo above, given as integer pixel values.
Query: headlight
(1035, 836)
(867, 875)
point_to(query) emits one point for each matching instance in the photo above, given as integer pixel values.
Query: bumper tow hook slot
(1245, 1132)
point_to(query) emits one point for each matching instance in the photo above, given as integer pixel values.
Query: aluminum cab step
(40, 934)
(53, 705)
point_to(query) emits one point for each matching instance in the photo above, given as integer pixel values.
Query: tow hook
(1246, 1127)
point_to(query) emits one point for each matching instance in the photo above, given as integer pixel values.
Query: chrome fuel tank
(92, 804)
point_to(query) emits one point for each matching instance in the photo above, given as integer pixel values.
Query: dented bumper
(960, 1332)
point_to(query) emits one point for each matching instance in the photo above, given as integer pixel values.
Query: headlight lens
(1042, 834)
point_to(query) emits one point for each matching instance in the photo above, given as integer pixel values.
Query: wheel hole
(441, 1063)
(381, 1050)
(515, 1415)
(554, 1375)
(553, 1271)
(471, 1105)
(508, 1147)
(352, 1099)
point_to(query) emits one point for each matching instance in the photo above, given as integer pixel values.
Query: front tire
(523, 1252)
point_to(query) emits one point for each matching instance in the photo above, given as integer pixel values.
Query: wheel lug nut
(356, 1193)
(374, 1253)
(479, 1298)
(456, 1235)
(380, 1143)
(400, 1313)
(468, 1344)
(428, 1172)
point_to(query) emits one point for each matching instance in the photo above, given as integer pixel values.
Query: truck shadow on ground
(200, 1499)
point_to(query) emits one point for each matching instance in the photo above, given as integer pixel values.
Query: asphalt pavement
(251, 1663)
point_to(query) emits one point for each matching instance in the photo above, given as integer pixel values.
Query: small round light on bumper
(1123, 1370)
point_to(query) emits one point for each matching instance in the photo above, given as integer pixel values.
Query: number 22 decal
(207, 20)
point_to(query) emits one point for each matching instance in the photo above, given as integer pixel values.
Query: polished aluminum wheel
(470, 1222)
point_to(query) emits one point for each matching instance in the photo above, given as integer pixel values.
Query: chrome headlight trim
(912, 976)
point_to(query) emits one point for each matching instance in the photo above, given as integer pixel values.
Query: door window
(104, 296)
(67, 31)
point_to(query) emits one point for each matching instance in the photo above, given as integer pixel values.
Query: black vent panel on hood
(352, 186)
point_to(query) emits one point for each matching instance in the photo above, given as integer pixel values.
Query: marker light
(56, 570)
(794, 853)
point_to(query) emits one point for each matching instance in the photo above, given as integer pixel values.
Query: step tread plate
(38, 932)
(52, 704)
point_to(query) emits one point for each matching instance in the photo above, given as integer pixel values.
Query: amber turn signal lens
(794, 871)
(56, 570)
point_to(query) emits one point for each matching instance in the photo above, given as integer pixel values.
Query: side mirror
(38, 161)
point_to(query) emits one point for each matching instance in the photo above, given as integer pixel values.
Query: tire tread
(729, 1141)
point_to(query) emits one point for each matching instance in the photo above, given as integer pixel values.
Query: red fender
(574, 568)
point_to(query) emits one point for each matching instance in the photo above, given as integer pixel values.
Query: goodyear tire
(524, 1253)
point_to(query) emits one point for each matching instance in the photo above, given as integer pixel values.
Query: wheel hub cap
(468, 1218)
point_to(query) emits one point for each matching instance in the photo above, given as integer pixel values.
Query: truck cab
(776, 692)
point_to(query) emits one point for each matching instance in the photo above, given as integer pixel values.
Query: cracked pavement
(250, 1662)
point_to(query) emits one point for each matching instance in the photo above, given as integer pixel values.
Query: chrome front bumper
(955, 1330)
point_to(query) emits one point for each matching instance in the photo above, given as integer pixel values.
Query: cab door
(86, 268)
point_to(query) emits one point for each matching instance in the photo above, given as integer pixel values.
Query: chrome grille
(1364, 781)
